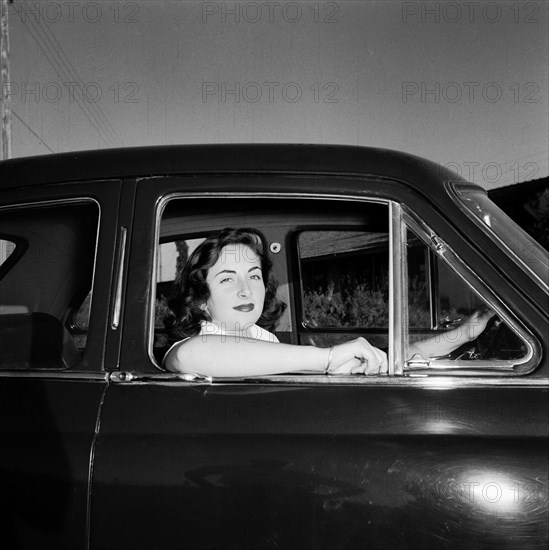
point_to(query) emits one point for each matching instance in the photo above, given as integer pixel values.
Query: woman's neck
(213, 327)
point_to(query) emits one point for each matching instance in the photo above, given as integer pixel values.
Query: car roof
(103, 164)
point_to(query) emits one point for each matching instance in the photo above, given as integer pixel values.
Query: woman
(226, 306)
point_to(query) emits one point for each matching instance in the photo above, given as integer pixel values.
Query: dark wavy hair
(192, 291)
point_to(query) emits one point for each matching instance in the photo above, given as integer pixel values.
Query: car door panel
(48, 429)
(49, 413)
(261, 466)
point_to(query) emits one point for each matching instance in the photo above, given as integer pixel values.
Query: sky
(462, 83)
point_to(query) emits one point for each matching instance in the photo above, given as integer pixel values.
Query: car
(103, 448)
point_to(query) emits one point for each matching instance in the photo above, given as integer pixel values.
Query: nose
(244, 289)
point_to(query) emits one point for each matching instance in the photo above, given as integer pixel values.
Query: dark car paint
(47, 427)
(159, 464)
(299, 467)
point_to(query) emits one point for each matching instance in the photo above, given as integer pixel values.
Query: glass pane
(493, 220)
(344, 277)
(448, 319)
(419, 299)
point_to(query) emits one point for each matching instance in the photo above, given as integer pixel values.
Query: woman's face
(237, 291)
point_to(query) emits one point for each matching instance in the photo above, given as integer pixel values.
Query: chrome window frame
(161, 205)
(397, 376)
(453, 188)
(467, 368)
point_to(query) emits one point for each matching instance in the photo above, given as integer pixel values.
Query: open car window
(170, 260)
(284, 222)
(45, 279)
(337, 263)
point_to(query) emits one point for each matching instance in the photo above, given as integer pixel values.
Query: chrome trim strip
(433, 380)
(55, 375)
(126, 377)
(53, 202)
(454, 193)
(117, 307)
(265, 195)
(398, 290)
(431, 281)
(430, 381)
(91, 465)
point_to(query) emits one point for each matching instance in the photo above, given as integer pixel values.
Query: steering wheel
(485, 345)
(489, 341)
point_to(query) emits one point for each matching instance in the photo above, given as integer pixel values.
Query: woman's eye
(225, 280)
(256, 277)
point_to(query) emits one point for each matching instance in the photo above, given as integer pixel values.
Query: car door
(57, 257)
(441, 451)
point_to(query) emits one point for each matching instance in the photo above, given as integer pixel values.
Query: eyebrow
(234, 272)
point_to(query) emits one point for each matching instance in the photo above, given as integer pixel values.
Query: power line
(50, 47)
(60, 72)
(32, 132)
(72, 70)
(64, 73)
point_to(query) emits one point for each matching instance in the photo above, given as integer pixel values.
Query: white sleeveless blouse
(212, 329)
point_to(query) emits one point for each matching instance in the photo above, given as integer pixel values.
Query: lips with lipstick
(245, 307)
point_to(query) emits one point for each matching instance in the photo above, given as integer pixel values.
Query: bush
(357, 304)
(353, 305)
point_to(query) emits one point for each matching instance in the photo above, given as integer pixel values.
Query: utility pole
(5, 79)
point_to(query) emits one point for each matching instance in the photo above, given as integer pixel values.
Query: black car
(102, 448)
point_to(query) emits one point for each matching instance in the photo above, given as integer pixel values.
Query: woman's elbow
(178, 359)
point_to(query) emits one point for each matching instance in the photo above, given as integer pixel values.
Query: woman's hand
(445, 343)
(474, 325)
(358, 357)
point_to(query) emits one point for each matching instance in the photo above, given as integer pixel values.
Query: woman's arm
(446, 342)
(237, 356)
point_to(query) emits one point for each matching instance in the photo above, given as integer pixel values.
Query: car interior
(331, 259)
(44, 281)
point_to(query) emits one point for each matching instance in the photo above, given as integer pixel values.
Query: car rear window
(44, 282)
